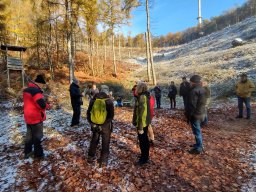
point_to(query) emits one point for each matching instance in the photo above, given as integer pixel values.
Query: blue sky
(176, 15)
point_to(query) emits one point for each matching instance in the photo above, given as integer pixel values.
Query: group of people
(100, 113)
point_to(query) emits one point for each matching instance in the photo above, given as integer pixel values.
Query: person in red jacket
(34, 115)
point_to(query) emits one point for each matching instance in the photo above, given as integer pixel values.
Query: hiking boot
(42, 156)
(102, 163)
(90, 159)
(239, 116)
(193, 145)
(195, 151)
(141, 162)
(26, 156)
(74, 126)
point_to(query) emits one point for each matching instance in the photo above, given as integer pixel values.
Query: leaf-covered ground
(228, 163)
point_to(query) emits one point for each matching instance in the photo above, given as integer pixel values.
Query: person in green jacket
(244, 89)
(141, 120)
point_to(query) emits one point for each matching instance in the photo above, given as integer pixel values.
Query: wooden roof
(13, 48)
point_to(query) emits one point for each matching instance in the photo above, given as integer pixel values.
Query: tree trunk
(91, 56)
(114, 55)
(148, 59)
(149, 43)
(70, 40)
(119, 48)
(57, 43)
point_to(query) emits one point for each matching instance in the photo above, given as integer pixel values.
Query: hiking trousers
(104, 133)
(76, 114)
(144, 145)
(34, 136)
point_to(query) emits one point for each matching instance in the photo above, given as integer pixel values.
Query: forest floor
(228, 163)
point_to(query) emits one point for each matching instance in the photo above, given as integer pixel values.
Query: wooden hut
(13, 63)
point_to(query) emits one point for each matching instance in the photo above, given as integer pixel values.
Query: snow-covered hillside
(212, 57)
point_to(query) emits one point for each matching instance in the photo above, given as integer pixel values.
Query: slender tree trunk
(119, 48)
(149, 43)
(38, 46)
(105, 54)
(113, 50)
(91, 56)
(70, 40)
(148, 60)
(57, 43)
(49, 45)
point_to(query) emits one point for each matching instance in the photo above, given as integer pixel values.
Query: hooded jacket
(141, 113)
(34, 104)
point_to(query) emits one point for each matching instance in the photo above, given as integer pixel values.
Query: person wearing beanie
(184, 91)
(34, 115)
(195, 112)
(76, 102)
(102, 130)
(244, 89)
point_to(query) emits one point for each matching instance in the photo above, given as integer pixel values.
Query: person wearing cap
(244, 89)
(104, 130)
(34, 115)
(76, 102)
(184, 91)
(195, 111)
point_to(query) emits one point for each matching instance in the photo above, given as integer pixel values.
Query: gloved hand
(140, 131)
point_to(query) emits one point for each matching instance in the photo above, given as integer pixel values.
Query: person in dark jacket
(184, 91)
(141, 120)
(76, 102)
(172, 95)
(196, 111)
(34, 115)
(104, 130)
(158, 95)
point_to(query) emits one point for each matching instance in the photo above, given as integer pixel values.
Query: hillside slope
(212, 57)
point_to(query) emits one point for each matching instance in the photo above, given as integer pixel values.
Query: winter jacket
(109, 107)
(172, 91)
(196, 103)
(245, 90)
(75, 94)
(184, 88)
(158, 91)
(141, 113)
(34, 104)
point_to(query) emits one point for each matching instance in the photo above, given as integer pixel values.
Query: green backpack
(99, 112)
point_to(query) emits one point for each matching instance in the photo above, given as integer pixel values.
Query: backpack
(99, 111)
(151, 105)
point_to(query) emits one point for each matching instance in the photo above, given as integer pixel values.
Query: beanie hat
(195, 79)
(105, 89)
(40, 79)
(75, 80)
